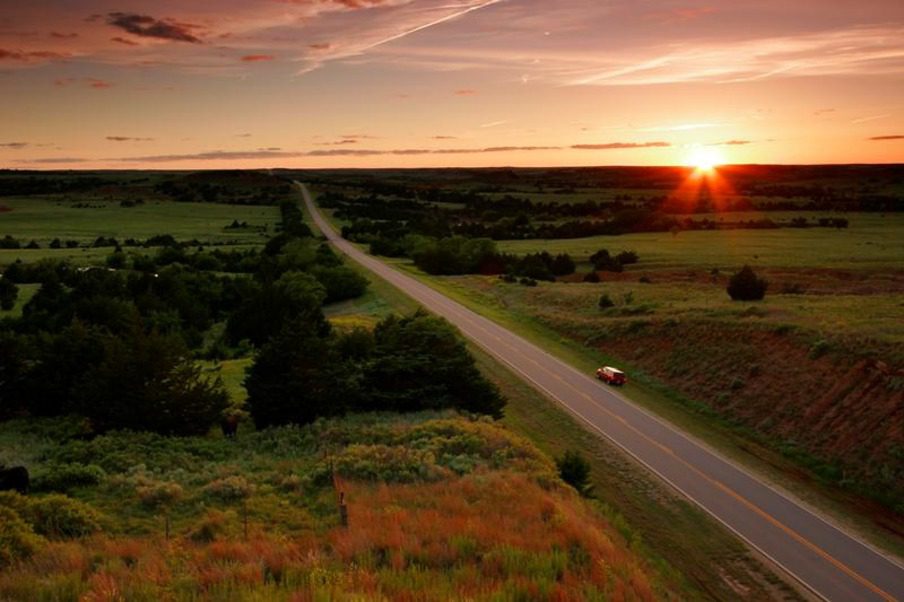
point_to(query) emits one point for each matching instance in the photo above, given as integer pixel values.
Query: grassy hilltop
(440, 507)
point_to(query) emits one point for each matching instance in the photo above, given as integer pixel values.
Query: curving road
(826, 560)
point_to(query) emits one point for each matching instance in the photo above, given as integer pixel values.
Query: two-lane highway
(828, 561)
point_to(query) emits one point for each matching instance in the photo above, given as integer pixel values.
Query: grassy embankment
(440, 507)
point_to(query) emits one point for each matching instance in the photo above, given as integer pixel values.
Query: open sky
(380, 83)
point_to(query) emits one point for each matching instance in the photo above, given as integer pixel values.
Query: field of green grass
(871, 241)
(45, 219)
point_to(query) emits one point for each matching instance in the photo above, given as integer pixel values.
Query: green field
(871, 240)
(43, 220)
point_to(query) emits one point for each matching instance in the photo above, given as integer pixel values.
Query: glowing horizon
(424, 83)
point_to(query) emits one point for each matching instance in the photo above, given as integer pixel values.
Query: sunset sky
(380, 83)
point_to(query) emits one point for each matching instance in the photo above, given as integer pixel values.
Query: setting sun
(705, 159)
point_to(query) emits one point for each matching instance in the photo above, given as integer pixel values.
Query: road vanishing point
(829, 562)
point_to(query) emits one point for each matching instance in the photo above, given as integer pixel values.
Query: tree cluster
(406, 364)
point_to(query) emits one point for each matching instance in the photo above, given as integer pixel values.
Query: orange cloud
(256, 58)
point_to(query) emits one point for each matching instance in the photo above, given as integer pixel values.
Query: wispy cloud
(731, 143)
(870, 118)
(277, 153)
(888, 137)
(620, 145)
(128, 139)
(33, 56)
(257, 58)
(14, 145)
(682, 127)
(91, 82)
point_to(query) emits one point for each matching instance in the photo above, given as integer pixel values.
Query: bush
(61, 517)
(592, 276)
(627, 257)
(229, 489)
(63, 477)
(574, 469)
(604, 262)
(158, 494)
(341, 283)
(605, 302)
(562, 265)
(746, 286)
(17, 540)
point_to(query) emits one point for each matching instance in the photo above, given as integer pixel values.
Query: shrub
(528, 282)
(603, 261)
(627, 257)
(341, 283)
(605, 302)
(17, 540)
(158, 494)
(745, 285)
(211, 526)
(59, 516)
(562, 265)
(229, 489)
(575, 470)
(63, 477)
(592, 276)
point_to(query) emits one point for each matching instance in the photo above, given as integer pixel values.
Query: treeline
(383, 222)
(229, 187)
(759, 187)
(240, 187)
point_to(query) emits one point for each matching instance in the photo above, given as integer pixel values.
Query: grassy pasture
(46, 219)
(871, 240)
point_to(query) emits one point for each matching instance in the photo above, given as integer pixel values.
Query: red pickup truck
(611, 375)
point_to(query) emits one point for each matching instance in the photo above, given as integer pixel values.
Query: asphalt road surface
(829, 562)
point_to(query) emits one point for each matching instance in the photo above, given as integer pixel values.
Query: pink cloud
(256, 58)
